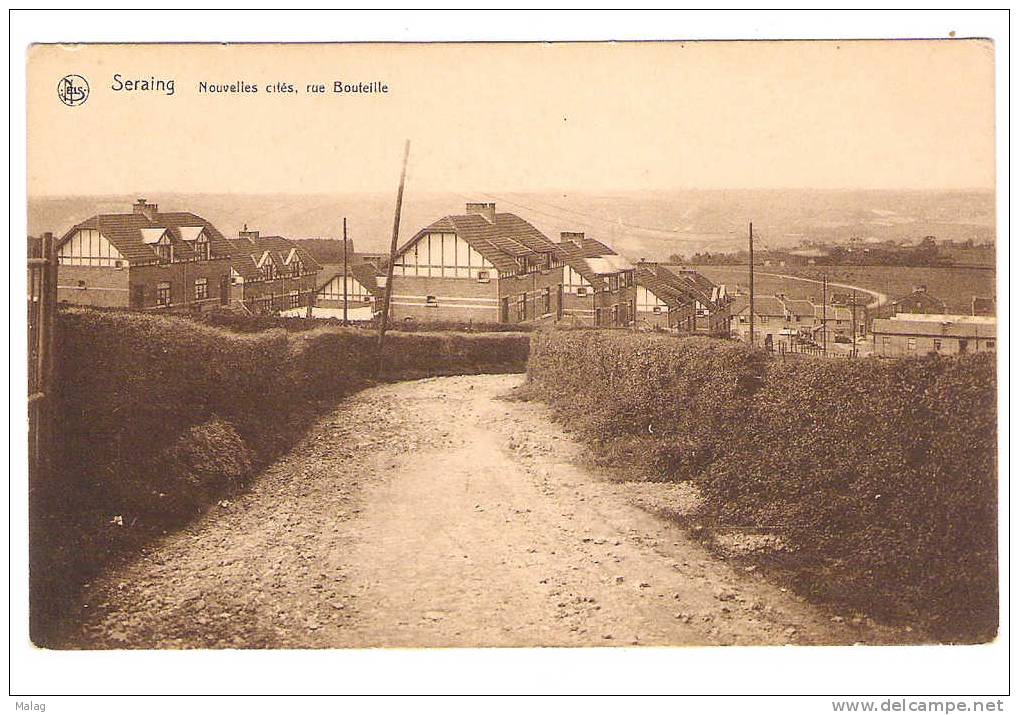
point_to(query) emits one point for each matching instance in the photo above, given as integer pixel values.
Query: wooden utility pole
(344, 270)
(853, 308)
(751, 283)
(387, 296)
(824, 313)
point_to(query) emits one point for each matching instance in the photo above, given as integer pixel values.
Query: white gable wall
(88, 247)
(441, 255)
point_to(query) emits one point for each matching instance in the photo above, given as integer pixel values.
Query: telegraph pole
(344, 270)
(751, 284)
(824, 313)
(387, 296)
(853, 308)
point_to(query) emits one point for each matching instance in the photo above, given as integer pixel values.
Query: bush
(159, 416)
(881, 475)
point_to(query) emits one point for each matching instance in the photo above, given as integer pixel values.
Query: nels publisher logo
(72, 90)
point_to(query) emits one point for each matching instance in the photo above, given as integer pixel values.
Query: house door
(963, 346)
(138, 297)
(224, 290)
(504, 310)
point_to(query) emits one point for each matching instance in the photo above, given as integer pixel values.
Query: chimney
(486, 211)
(651, 266)
(146, 209)
(574, 237)
(245, 233)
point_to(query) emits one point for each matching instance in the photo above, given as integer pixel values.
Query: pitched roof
(363, 272)
(592, 259)
(666, 284)
(965, 326)
(127, 233)
(690, 283)
(918, 296)
(247, 252)
(501, 242)
(800, 308)
(767, 305)
(662, 288)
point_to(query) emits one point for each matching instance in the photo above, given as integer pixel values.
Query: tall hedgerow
(881, 475)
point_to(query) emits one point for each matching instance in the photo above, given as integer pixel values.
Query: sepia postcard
(512, 345)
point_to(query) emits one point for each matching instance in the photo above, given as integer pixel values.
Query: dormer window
(295, 267)
(202, 251)
(164, 249)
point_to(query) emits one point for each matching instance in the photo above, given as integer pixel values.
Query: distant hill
(651, 225)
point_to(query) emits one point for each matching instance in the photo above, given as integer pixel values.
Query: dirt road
(433, 513)
(877, 299)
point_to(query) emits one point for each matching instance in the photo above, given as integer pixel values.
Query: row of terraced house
(481, 266)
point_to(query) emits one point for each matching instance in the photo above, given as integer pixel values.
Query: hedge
(159, 416)
(880, 475)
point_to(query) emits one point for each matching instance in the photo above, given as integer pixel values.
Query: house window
(295, 268)
(201, 288)
(546, 301)
(165, 252)
(202, 248)
(581, 290)
(522, 306)
(483, 277)
(990, 345)
(911, 344)
(658, 310)
(81, 285)
(431, 301)
(295, 299)
(886, 341)
(118, 264)
(937, 345)
(163, 294)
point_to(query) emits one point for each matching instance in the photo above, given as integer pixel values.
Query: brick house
(771, 320)
(482, 266)
(363, 290)
(269, 274)
(660, 305)
(145, 260)
(710, 302)
(919, 301)
(910, 335)
(599, 288)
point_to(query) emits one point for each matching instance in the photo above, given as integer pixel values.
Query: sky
(598, 117)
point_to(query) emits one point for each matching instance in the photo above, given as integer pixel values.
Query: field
(955, 286)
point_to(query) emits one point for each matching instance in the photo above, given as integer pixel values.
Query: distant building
(145, 260)
(712, 306)
(984, 306)
(918, 301)
(663, 302)
(770, 320)
(269, 274)
(905, 334)
(599, 288)
(481, 266)
(362, 292)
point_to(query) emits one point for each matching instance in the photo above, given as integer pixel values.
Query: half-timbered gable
(481, 266)
(144, 259)
(271, 273)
